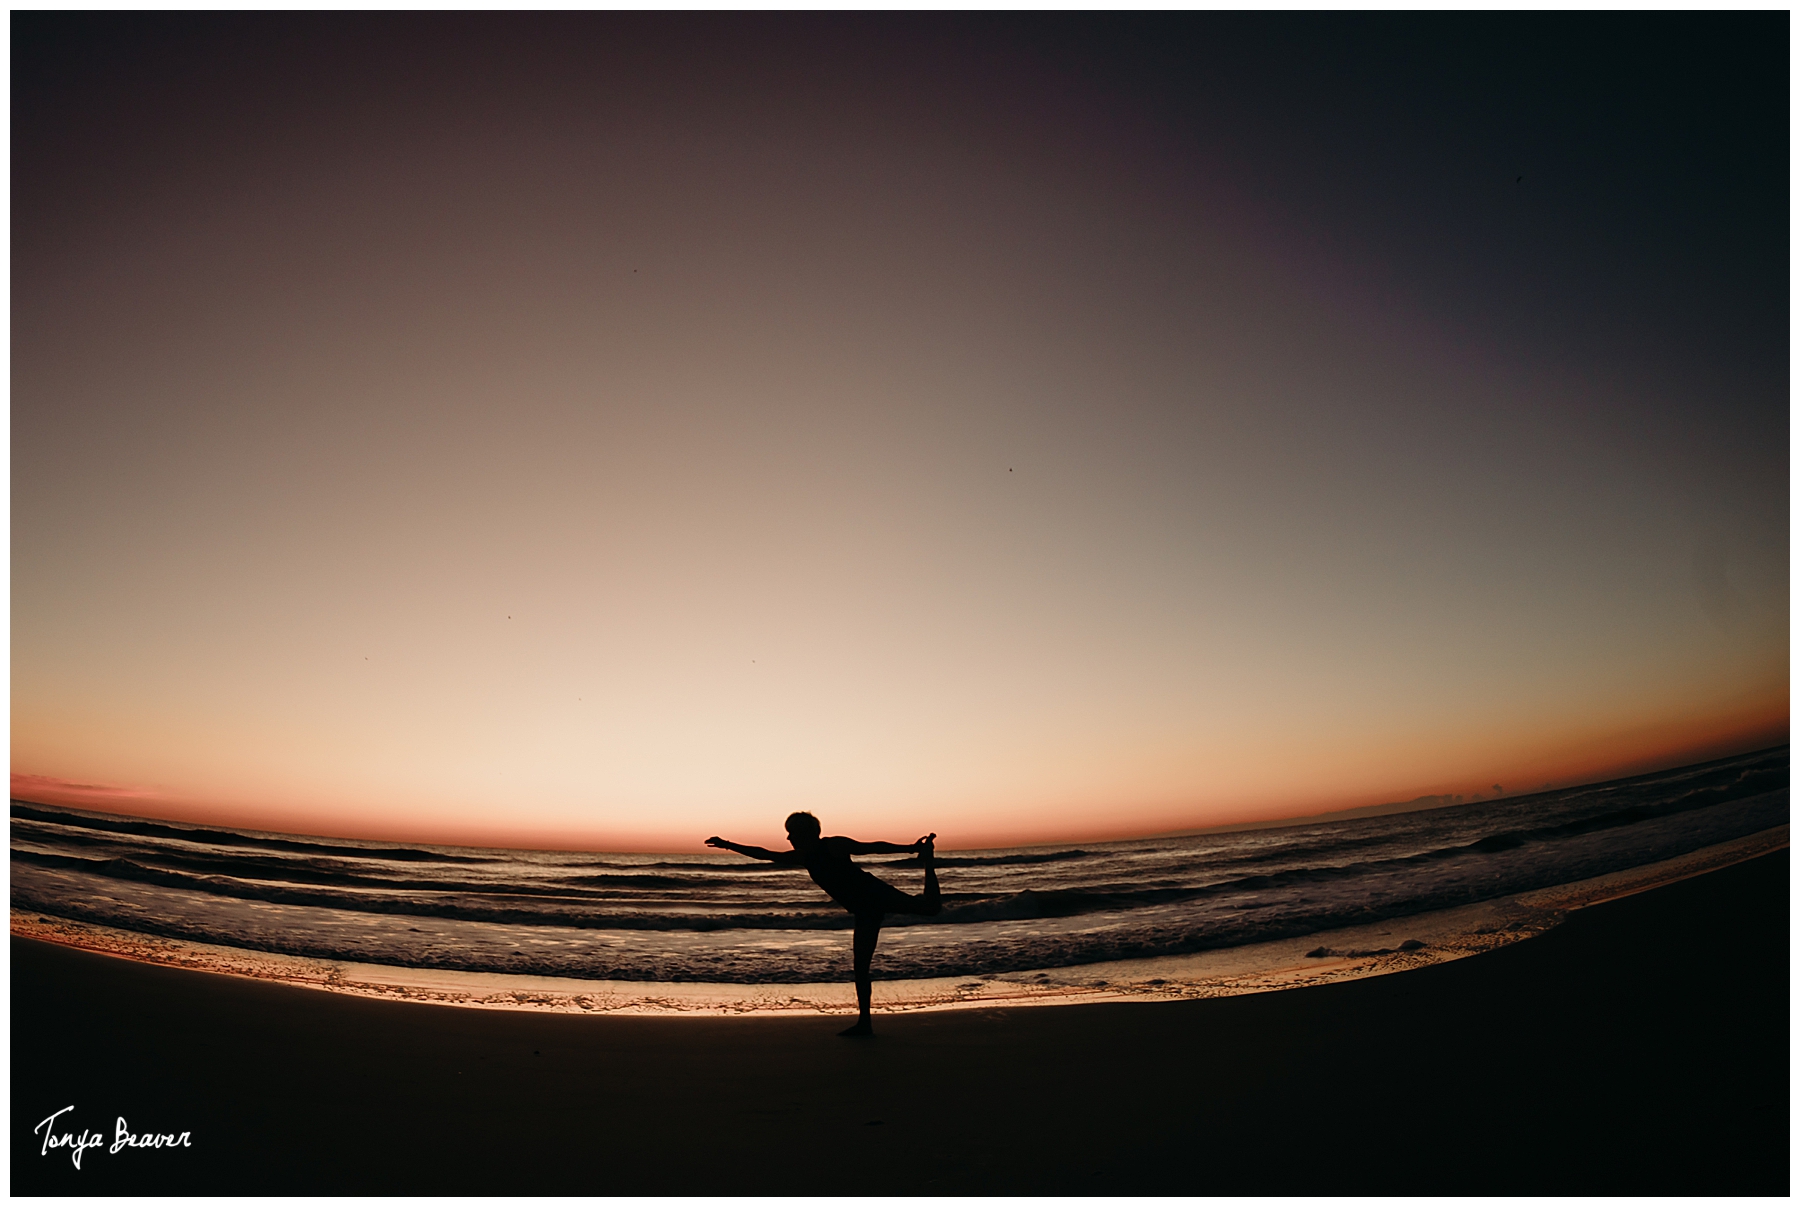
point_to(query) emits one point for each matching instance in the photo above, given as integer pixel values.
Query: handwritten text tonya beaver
(78, 1142)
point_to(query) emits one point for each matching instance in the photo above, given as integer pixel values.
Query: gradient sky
(601, 430)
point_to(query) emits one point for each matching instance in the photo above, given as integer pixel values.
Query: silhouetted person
(827, 861)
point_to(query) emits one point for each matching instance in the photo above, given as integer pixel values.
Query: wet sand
(1639, 1048)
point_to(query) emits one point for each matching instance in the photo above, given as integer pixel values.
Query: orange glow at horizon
(1602, 758)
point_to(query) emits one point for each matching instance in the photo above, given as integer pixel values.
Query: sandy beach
(1639, 1047)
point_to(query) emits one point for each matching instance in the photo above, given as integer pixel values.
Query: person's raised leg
(926, 904)
(868, 930)
(928, 856)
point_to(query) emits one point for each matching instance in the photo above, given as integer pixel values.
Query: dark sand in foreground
(1641, 1048)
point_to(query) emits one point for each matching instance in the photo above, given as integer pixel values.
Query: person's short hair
(798, 822)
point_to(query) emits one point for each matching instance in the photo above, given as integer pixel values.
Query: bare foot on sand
(862, 1030)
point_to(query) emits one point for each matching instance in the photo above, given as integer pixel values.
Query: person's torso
(841, 879)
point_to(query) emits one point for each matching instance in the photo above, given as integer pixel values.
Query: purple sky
(612, 430)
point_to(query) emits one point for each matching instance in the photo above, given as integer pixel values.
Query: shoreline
(1351, 953)
(1639, 1048)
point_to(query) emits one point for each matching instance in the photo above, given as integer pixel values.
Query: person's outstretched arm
(883, 848)
(754, 852)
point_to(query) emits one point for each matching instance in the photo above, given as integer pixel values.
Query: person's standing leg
(868, 930)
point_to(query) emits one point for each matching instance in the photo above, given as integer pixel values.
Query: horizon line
(1416, 805)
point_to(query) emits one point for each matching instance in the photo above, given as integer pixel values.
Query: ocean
(721, 918)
